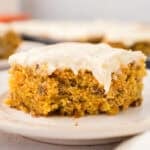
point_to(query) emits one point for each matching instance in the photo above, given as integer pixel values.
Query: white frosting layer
(101, 59)
(61, 30)
(127, 33)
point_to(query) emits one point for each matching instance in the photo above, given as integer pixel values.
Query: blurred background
(118, 21)
(128, 10)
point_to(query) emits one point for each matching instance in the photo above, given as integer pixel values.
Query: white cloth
(140, 142)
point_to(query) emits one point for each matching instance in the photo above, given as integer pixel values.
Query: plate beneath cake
(23, 46)
(87, 130)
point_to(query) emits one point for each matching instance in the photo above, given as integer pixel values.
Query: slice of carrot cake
(76, 79)
(59, 31)
(128, 36)
(9, 41)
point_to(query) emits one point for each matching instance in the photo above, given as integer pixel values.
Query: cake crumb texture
(65, 93)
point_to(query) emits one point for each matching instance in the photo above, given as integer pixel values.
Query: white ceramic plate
(82, 131)
(24, 46)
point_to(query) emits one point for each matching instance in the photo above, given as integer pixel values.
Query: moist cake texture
(76, 79)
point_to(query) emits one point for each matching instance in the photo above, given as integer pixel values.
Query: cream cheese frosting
(114, 31)
(58, 30)
(127, 34)
(101, 59)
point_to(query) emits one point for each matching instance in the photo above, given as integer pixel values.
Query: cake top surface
(127, 33)
(101, 59)
(58, 30)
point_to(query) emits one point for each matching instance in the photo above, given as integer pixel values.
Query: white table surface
(16, 142)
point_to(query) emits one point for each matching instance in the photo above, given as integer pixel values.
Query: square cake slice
(76, 79)
(128, 36)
